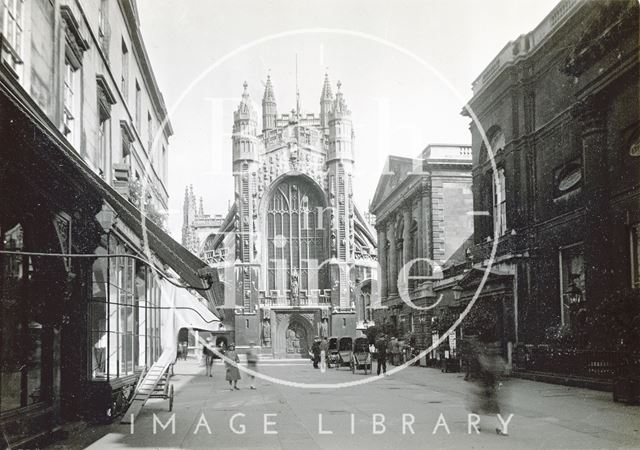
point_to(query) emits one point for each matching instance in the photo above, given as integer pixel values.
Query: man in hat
(381, 347)
(208, 357)
(315, 349)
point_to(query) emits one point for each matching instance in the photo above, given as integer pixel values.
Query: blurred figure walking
(208, 357)
(233, 373)
(252, 362)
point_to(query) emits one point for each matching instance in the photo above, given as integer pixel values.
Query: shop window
(124, 326)
(572, 279)
(21, 325)
(635, 256)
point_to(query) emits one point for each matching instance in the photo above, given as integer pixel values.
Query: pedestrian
(231, 363)
(324, 351)
(486, 388)
(396, 351)
(208, 357)
(389, 342)
(315, 351)
(381, 348)
(252, 362)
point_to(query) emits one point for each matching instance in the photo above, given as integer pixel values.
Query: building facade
(423, 210)
(82, 173)
(294, 247)
(198, 228)
(560, 202)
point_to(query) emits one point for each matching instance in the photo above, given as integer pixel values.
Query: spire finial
(339, 85)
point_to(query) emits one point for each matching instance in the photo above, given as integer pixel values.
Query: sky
(406, 68)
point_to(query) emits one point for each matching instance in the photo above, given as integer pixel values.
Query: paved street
(545, 416)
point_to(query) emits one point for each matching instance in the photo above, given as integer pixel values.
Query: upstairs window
(124, 80)
(12, 33)
(69, 90)
(150, 131)
(138, 106)
(499, 203)
(103, 27)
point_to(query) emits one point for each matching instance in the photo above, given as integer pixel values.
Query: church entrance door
(297, 340)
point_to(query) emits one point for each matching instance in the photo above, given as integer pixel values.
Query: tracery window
(295, 235)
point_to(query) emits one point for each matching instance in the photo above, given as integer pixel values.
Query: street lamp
(457, 292)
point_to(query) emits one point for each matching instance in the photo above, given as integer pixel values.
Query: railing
(598, 364)
(284, 299)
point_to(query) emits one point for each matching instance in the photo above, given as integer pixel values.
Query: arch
(496, 139)
(294, 335)
(294, 230)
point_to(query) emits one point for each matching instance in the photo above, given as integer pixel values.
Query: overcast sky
(398, 104)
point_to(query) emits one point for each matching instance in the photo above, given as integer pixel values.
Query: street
(207, 414)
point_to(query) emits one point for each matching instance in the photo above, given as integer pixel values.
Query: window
(124, 80)
(150, 132)
(635, 256)
(571, 277)
(138, 106)
(69, 99)
(103, 144)
(499, 203)
(291, 246)
(103, 27)
(21, 323)
(12, 31)
(124, 318)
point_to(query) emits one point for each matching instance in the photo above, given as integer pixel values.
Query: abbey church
(296, 256)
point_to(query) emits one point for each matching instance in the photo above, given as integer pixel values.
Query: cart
(361, 356)
(164, 389)
(345, 347)
(332, 353)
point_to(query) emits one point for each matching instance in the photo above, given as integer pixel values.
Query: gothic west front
(296, 256)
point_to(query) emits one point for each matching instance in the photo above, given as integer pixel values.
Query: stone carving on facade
(324, 328)
(295, 300)
(266, 332)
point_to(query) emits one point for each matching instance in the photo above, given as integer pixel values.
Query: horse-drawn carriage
(345, 350)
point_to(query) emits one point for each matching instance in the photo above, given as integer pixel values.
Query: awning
(44, 142)
(182, 309)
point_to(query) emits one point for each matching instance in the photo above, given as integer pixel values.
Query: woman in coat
(233, 373)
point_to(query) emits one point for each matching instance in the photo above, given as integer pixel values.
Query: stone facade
(198, 228)
(294, 248)
(423, 213)
(559, 108)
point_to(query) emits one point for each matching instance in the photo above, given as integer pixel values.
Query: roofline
(132, 23)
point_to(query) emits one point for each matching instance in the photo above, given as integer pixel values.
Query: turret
(269, 111)
(244, 130)
(326, 100)
(340, 129)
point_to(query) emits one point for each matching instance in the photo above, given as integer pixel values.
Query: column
(425, 216)
(596, 238)
(406, 234)
(382, 264)
(393, 265)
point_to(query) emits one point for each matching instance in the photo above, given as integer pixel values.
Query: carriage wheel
(170, 398)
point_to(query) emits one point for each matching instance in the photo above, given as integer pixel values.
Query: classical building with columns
(558, 111)
(293, 251)
(423, 210)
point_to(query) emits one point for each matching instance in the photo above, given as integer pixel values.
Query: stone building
(83, 173)
(294, 248)
(423, 210)
(198, 228)
(558, 110)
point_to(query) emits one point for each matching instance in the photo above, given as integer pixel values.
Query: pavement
(414, 408)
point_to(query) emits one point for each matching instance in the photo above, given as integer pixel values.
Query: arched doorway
(297, 340)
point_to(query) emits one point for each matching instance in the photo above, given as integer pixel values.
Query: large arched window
(295, 235)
